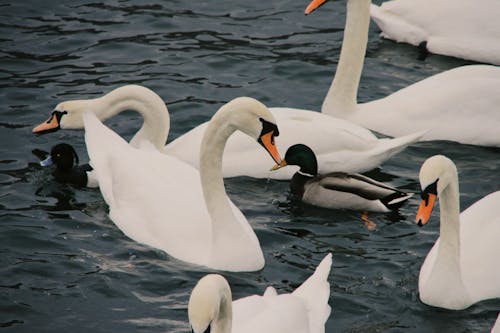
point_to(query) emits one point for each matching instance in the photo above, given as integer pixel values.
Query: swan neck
(342, 95)
(148, 104)
(223, 322)
(449, 244)
(211, 153)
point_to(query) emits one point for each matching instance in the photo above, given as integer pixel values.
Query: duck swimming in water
(67, 170)
(338, 190)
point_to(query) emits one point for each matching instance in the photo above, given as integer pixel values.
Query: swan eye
(430, 189)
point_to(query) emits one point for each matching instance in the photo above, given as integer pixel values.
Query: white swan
(158, 200)
(458, 28)
(155, 128)
(496, 326)
(340, 145)
(305, 310)
(462, 267)
(458, 105)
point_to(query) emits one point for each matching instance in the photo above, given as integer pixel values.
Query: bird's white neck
(342, 95)
(445, 287)
(226, 231)
(142, 100)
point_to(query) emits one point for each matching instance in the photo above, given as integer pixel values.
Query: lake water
(64, 265)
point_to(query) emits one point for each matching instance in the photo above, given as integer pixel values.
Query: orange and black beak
(315, 4)
(266, 139)
(429, 196)
(51, 125)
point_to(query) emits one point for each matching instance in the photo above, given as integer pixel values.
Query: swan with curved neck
(155, 127)
(462, 268)
(340, 145)
(306, 309)
(163, 202)
(458, 105)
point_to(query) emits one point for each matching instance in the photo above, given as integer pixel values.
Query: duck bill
(279, 165)
(51, 125)
(267, 141)
(46, 162)
(425, 209)
(315, 4)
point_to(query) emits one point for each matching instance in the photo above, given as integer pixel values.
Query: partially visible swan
(67, 170)
(340, 145)
(458, 28)
(457, 105)
(305, 310)
(337, 190)
(158, 200)
(496, 326)
(462, 267)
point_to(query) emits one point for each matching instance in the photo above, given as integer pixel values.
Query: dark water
(64, 266)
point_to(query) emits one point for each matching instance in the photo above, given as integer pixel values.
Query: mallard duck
(337, 190)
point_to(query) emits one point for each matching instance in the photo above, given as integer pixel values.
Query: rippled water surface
(64, 266)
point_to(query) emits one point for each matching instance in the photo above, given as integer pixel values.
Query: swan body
(67, 170)
(462, 267)
(338, 190)
(458, 28)
(305, 310)
(457, 105)
(340, 145)
(158, 200)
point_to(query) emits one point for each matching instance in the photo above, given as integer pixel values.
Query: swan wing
(154, 199)
(480, 235)
(304, 310)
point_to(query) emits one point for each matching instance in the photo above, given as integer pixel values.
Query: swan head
(436, 173)
(210, 305)
(254, 119)
(66, 115)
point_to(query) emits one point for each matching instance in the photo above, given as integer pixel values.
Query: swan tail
(315, 292)
(395, 27)
(389, 147)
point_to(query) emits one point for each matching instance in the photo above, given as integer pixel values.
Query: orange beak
(280, 165)
(267, 140)
(425, 209)
(315, 4)
(51, 125)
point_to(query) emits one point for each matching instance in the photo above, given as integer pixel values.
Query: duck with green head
(337, 190)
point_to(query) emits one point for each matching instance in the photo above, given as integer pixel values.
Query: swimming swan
(337, 190)
(462, 267)
(458, 105)
(158, 200)
(305, 310)
(340, 145)
(458, 28)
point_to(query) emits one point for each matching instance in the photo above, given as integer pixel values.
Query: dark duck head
(65, 158)
(302, 156)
